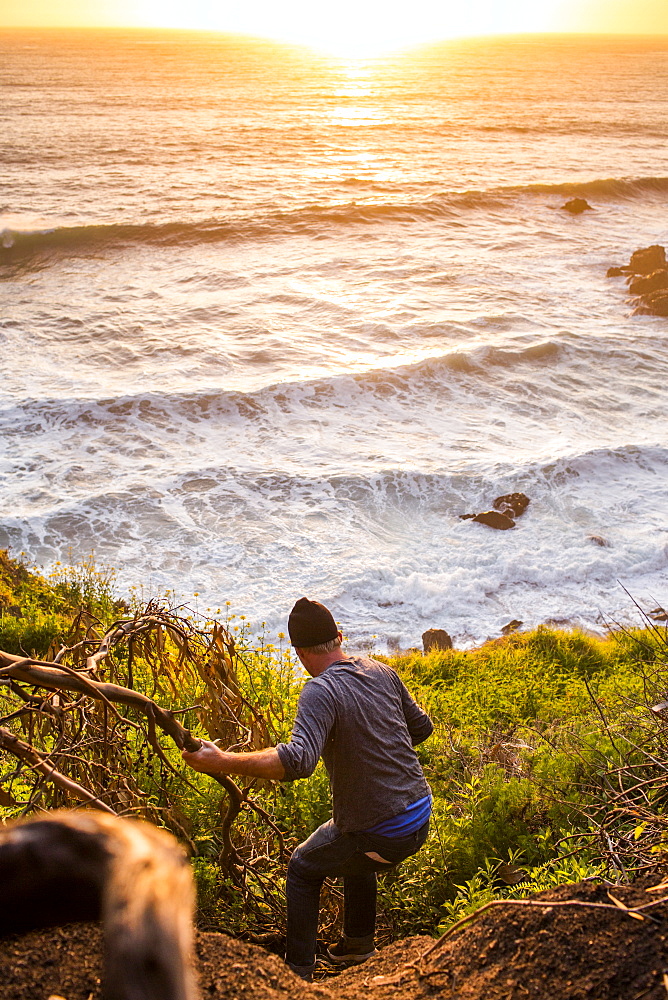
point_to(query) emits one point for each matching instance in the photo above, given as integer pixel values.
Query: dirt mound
(67, 962)
(532, 953)
(508, 953)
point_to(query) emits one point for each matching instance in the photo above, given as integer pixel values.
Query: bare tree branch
(12, 744)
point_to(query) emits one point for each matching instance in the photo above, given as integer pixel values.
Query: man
(358, 716)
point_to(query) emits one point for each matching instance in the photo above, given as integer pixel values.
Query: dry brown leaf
(510, 874)
(503, 755)
(6, 799)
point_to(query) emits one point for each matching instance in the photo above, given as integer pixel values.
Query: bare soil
(507, 954)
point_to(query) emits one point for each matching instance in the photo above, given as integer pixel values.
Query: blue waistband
(408, 821)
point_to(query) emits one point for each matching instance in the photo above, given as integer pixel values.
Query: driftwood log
(65, 867)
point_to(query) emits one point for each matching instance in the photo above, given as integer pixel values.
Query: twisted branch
(55, 676)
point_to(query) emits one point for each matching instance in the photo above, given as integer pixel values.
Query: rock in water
(576, 206)
(495, 519)
(511, 627)
(647, 260)
(648, 279)
(615, 272)
(644, 283)
(512, 504)
(506, 507)
(653, 304)
(436, 638)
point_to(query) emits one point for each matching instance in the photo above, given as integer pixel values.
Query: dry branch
(146, 631)
(18, 748)
(40, 673)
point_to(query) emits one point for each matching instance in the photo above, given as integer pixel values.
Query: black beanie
(310, 624)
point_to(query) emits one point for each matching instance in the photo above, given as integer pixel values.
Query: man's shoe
(352, 951)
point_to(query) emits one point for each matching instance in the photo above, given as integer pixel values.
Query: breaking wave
(164, 407)
(308, 220)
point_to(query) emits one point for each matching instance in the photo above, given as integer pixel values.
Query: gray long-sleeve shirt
(359, 717)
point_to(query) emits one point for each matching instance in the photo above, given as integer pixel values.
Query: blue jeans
(328, 853)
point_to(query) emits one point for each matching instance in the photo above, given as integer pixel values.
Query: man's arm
(209, 759)
(420, 726)
(288, 761)
(315, 718)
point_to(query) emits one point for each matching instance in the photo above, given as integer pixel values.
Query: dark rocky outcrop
(647, 259)
(653, 304)
(436, 638)
(494, 519)
(644, 283)
(576, 206)
(512, 504)
(511, 627)
(648, 280)
(506, 509)
(599, 540)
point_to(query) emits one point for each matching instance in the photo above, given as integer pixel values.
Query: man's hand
(257, 764)
(208, 759)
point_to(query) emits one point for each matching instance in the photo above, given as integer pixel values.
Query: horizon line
(174, 29)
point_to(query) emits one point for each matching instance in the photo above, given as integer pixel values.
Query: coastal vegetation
(546, 764)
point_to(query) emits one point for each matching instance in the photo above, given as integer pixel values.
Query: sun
(352, 29)
(349, 29)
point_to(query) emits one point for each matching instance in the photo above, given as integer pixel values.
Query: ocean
(271, 322)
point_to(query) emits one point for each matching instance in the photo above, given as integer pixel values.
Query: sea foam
(261, 347)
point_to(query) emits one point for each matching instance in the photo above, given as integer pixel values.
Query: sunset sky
(365, 27)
